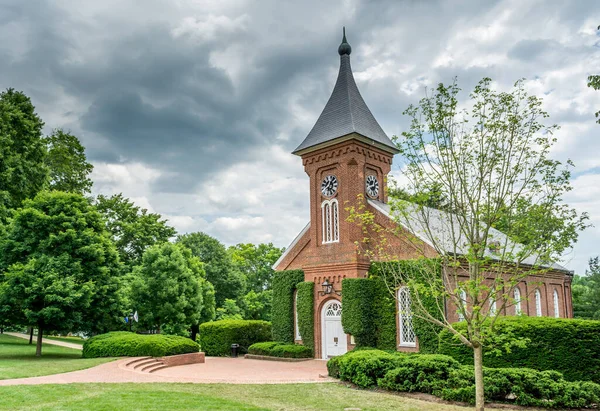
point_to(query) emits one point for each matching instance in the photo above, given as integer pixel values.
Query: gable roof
(443, 227)
(345, 113)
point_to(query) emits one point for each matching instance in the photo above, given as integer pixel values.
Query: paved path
(48, 341)
(214, 370)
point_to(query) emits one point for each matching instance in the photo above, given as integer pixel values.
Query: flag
(126, 320)
(135, 317)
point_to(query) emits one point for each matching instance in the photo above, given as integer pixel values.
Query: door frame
(323, 328)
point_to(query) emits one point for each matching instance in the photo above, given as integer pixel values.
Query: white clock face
(329, 186)
(372, 186)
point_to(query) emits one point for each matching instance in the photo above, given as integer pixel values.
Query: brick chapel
(347, 154)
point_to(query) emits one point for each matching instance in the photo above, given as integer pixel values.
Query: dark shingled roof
(346, 112)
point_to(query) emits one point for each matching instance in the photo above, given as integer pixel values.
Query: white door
(334, 340)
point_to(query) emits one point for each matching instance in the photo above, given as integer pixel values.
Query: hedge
(306, 312)
(216, 337)
(569, 346)
(277, 349)
(126, 344)
(358, 314)
(282, 314)
(445, 377)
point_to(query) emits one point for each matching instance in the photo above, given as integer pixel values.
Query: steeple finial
(344, 48)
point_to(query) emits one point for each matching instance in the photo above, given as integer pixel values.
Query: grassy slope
(73, 340)
(206, 397)
(17, 359)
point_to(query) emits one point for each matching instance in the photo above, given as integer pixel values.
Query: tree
(488, 160)
(220, 270)
(22, 150)
(59, 264)
(134, 229)
(67, 163)
(586, 292)
(257, 306)
(169, 288)
(594, 82)
(229, 311)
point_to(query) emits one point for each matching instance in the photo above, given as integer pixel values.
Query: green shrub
(306, 313)
(282, 314)
(358, 315)
(426, 373)
(364, 367)
(126, 344)
(569, 346)
(262, 348)
(277, 349)
(216, 337)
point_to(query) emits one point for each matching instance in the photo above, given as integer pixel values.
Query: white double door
(334, 340)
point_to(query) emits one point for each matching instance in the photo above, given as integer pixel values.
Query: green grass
(73, 340)
(17, 359)
(322, 397)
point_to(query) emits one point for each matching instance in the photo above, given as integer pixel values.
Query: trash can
(234, 350)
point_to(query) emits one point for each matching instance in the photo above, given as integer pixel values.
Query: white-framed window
(463, 302)
(297, 328)
(407, 332)
(538, 303)
(493, 305)
(556, 308)
(330, 220)
(517, 298)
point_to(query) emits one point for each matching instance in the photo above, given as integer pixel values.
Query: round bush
(216, 337)
(126, 344)
(277, 349)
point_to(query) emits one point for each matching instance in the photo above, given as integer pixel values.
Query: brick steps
(149, 365)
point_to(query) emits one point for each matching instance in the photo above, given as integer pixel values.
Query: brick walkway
(214, 370)
(47, 341)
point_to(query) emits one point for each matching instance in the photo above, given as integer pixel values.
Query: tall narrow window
(556, 309)
(298, 336)
(517, 298)
(538, 303)
(407, 333)
(330, 221)
(493, 305)
(463, 305)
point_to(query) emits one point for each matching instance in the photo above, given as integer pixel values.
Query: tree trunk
(30, 335)
(38, 348)
(479, 396)
(195, 329)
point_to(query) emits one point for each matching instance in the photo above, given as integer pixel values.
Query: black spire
(344, 48)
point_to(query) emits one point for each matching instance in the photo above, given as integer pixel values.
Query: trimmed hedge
(358, 314)
(216, 337)
(126, 344)
(276, 349)
(445, 377)
(569, 346)
(282, 310)
(306, 312)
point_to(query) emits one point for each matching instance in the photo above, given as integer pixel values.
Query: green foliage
(66, 160)
(569, 346)
(255, 262)
(168, 288)
(305, 305)
(594, 82)
(220, 270)
(229, 311)
(277, 349)
(133, 229)
(61, 265)
(216, 337)
(586, 292)
(363, 367)
(257, 306)
(126, 344)
(22, 151)
(282, 316)
(358, 315)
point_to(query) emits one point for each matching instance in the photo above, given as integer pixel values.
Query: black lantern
(328, 288)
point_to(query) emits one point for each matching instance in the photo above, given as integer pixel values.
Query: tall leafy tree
(23, 172)
(169, 289)
(229, 283)
(586, 292)
(67, 164)
(59, 263)
(133, 229)
(256, 263)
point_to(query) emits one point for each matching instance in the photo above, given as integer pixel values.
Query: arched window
(556, 309)
(463, 302)
(538, 303)
(407, 333)
(298, 336)
(330, 219)
(517, 298)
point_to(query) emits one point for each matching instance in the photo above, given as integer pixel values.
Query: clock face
(329, 186)
(372, 186)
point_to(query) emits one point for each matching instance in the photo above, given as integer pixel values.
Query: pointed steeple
(345, 113)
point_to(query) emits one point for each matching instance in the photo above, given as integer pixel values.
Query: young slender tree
(491, 164)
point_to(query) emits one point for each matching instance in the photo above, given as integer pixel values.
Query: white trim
(297, 328)
(462, 296)
(402, 316)
(538, 303)
(517, 298)
(556, 306)
(493, 306)
(292, 245)
(330, 224)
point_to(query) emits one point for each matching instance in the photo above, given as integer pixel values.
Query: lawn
(74, 340)
(17, 359)
(322, 397)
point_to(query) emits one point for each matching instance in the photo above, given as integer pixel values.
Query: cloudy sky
(191, 107)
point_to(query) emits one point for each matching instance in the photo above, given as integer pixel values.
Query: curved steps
(145, 364)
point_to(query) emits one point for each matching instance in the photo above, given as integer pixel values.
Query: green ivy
(306, 312)
(282, 314)
(358, 315)
(569, 346)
